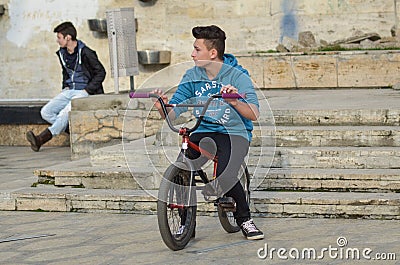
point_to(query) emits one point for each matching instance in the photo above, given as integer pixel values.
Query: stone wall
(29, 67)
(104, 120)
(350, 69)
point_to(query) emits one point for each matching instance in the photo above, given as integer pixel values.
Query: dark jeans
(231, 151)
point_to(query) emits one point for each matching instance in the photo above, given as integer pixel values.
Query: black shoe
(250, 231)
(33, 140)
(37, 141)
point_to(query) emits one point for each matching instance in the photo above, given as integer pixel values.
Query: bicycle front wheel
(176, 206)
(227, 219)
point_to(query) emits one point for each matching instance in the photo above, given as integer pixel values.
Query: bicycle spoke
(175, 212)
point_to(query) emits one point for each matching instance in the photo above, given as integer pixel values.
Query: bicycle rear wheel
(176, 206)
(227, 219)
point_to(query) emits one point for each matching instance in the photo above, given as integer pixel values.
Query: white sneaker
(250, 231)
(180, 230)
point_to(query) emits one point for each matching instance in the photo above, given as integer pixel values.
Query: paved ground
(75, 238)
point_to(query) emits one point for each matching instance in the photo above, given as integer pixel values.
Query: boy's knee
(44, 113)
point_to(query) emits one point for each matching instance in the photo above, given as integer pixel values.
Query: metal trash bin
(154, 57)
(121, 30)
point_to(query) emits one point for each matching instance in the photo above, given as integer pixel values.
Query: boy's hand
(159, 92)
(231, 90)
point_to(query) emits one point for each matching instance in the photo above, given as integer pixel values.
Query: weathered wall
(29, 67)
(16, 135)
(348, 69)
(103, 120)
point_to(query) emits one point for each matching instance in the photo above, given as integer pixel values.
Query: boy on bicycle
(227, 125)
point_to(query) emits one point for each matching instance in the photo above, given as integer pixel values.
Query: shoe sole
(32, 140)
(256, 237)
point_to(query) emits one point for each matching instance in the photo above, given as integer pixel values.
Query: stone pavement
(94, 238)
(17, 164)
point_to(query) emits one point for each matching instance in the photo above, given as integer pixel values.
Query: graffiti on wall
(29, 18)
(289, 23)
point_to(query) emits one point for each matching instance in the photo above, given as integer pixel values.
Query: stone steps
(326, 157)
(291, 136)
(279, 157)
(263, 203)
(82, 174)
(141, 163)
(355, 180)
(368, 116)
(339, 161)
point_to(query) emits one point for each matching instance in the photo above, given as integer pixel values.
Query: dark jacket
(91, 67)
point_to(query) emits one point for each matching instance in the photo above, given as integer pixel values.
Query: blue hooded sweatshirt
(220, 116)
(77, 79)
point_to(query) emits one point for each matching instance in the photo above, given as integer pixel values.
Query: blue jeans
(56, 111)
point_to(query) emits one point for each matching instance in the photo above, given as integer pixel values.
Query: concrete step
(82, 174)
(326, 157)
(355, 180)
(292, 136)
(160, 157)
(332, 117)
(136, 154)
(263, 203)
(310, 136)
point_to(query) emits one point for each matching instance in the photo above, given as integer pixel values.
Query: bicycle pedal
(227, 204)
(226, 200)
(229, 209)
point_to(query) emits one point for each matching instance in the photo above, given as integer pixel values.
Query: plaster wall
(29, 67)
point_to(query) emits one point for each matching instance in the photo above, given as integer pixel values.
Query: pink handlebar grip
(139, 95)
(234, 95)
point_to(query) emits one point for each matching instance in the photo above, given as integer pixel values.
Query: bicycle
(177, 196)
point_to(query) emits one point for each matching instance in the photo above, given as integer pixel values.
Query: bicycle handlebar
(150, 95)
(201, 116)
(139, 95)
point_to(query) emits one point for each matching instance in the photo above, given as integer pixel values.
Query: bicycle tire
(227, 219)
(177, 206)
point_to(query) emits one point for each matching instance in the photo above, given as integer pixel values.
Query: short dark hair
(214, 38)
(66, 28)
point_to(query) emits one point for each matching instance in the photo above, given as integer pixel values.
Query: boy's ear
(214, 53)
